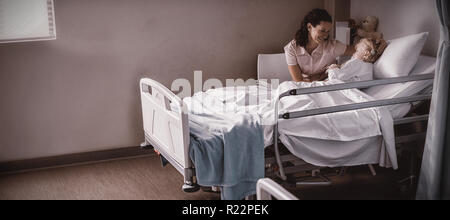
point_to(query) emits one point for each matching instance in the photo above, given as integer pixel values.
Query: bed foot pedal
(325, 181)
(164, 161)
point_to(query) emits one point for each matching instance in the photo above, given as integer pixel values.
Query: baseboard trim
(72, 159)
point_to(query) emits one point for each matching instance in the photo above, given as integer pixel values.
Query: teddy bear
(368, 29)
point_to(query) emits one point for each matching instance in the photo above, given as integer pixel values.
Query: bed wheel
(190, 188)
(146, 146)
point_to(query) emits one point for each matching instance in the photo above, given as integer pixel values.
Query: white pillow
(425, 65)
(400, 56)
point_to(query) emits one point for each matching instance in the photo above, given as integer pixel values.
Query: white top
(310, 64)
(351, 71)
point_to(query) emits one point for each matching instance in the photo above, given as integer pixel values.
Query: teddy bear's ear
(351, 22)
(359, 23)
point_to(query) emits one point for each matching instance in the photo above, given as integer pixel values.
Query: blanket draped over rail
(227, 151)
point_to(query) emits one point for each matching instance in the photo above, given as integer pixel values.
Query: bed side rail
(341, 108)
(356, 85)
(353, 85)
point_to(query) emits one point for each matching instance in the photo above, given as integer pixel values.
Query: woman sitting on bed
(312, 50)
(360, 66)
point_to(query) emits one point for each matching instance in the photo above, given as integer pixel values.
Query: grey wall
(402, 17)
(80, 93)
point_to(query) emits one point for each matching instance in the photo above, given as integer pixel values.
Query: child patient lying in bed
(360, 66)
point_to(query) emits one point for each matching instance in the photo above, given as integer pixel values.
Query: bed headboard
(273, 66)
(398, 18)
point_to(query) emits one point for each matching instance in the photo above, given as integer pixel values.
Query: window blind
(27, 20)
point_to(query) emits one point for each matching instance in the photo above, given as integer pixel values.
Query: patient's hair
(314, 17)
(375, 48)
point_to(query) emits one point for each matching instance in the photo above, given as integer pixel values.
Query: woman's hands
(319, 77)
(297, 75)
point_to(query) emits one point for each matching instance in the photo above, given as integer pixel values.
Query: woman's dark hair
(314, 17)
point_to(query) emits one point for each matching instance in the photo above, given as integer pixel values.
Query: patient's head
(369, 49)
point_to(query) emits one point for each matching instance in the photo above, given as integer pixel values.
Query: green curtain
(434, 180)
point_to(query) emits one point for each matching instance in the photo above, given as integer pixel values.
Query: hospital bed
(167, 130)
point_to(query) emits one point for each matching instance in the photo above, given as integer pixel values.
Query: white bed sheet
(425, 65)
(330, 153)
(338, 139)
(356, 131)
(335, 153)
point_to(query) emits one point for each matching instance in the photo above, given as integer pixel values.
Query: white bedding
(350, 138)
(333, 152)
(330, 153)
(424, 65)
(338, 139)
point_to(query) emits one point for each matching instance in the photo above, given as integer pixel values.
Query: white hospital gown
(351, 71)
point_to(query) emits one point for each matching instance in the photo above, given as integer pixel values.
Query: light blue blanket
(227, 151)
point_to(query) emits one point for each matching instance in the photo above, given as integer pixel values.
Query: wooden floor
(144, 178)
(129, 179)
